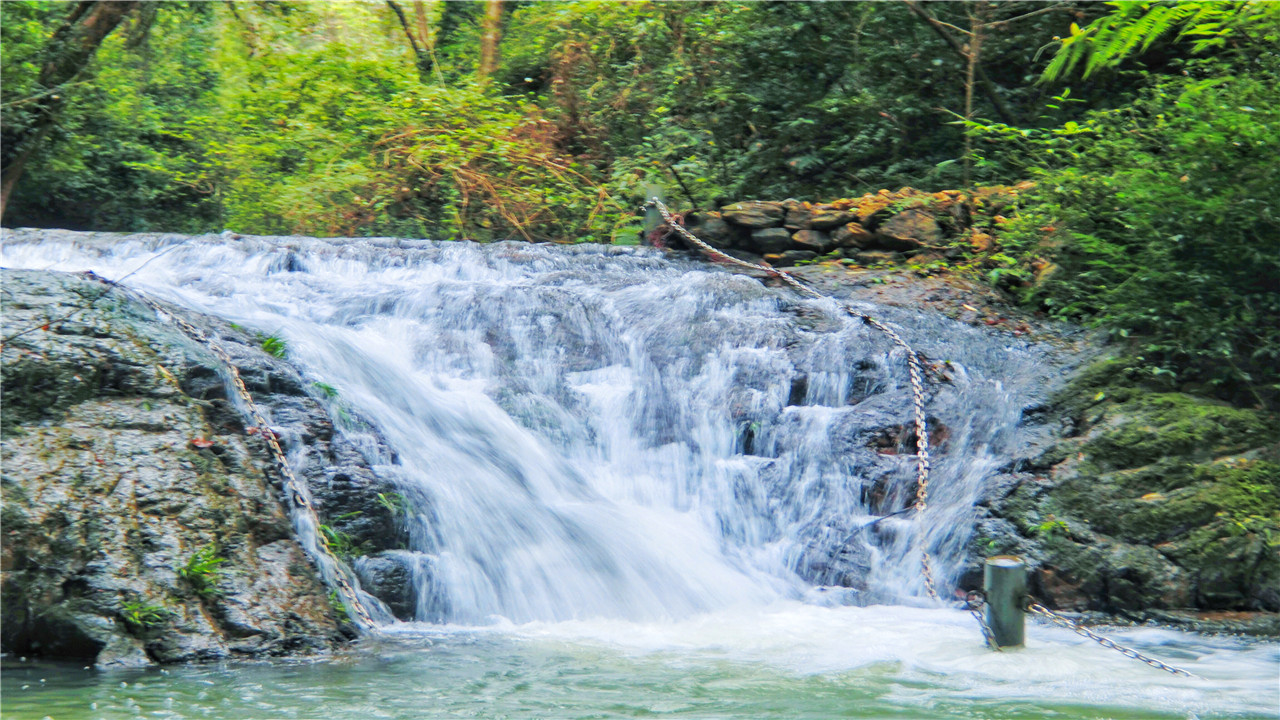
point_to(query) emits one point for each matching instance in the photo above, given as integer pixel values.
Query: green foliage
(733, 100)
(1050, 527)
(143, 616)
(1160, 221)
(128, 151)
(326, 389)
(1133, 27)
(336, 604)
(340, 543)
(307, 117)
(201, 571)
(273, 345)
(395, 503)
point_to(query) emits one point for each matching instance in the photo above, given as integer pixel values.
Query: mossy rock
(1160, 500)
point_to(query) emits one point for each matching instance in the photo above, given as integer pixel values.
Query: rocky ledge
(873, 229)
(142, 521)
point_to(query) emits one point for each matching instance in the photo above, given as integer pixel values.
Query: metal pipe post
(1004, 580)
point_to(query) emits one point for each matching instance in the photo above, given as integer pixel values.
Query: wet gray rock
(390, 576)
(789, 258)
(126, 464)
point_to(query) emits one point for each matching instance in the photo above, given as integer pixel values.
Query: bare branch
(988, 88)
(1051, 8)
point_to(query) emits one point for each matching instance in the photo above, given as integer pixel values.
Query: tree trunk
(422, 15)
(67, 54)
(988, 88)
(974, 50)
(490, 38)
(422, 52)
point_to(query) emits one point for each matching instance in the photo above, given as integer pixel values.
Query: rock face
(1150, 501)
(142, 522)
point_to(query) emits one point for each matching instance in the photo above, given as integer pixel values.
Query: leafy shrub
(395, 503)
(1160, 221)
(339, 543)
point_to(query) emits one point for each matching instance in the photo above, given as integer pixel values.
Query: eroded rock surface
(142, 522)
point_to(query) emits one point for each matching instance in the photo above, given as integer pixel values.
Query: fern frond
(1133, 27)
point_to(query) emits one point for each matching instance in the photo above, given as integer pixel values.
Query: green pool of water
(790, 662)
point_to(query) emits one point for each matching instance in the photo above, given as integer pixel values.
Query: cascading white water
(595, 431)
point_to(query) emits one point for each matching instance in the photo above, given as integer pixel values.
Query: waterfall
(597, 431)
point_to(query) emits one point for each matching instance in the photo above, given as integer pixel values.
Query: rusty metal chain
(915, 368)
(976, 602)
(1041, 610)
(292, 485)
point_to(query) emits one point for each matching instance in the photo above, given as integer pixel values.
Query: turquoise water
(790, 661)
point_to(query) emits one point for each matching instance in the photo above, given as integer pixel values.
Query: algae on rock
(1166, 501)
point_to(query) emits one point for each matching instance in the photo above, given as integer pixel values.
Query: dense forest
(1145, 135)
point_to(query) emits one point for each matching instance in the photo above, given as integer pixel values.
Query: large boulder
(143, 521)
(1153, 501)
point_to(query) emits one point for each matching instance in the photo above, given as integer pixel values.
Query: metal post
(652, 218)
(1004, 580)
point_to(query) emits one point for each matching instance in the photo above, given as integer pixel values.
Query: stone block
(813, 240)
(770, 240)
(853, 235)
(754, 214)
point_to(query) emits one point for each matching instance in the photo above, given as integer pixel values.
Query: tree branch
(422, 58)
(66, 55)
(1051, 8)
(252, 39)
(988, 88)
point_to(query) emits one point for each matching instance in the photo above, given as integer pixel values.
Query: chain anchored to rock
(975, 601)
(292, 485)
(915, 367)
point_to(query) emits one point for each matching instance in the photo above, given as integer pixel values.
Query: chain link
(915, 368)
(292, 486)
(1078, 629)
(976, 602)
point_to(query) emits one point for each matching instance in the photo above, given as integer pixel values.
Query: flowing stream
(637, 486)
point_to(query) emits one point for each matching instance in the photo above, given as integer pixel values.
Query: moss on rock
(1167, 500)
